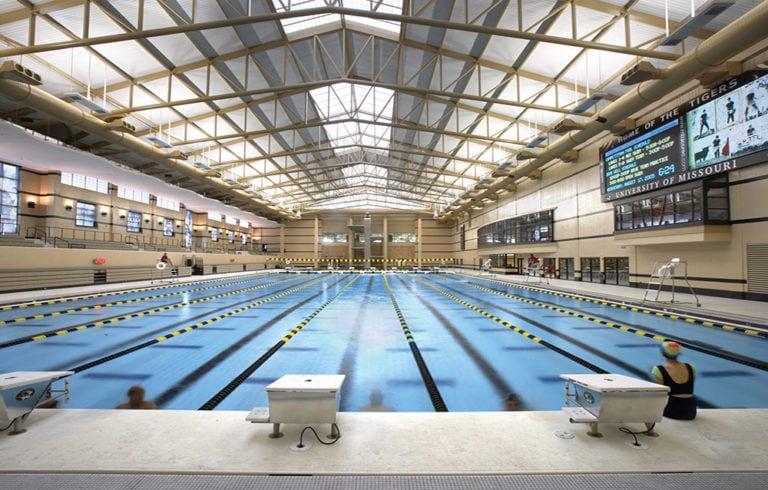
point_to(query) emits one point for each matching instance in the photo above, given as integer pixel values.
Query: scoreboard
(720, 130)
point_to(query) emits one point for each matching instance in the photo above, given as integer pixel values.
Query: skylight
(299, 24)
(356, 115)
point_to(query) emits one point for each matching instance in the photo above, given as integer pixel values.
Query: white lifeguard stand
(668, 272)
(164, 271)
(533, 271)
(22, 391)
(487, 266)
(612, 398)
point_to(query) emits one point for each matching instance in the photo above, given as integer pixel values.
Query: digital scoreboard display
(637, 164)
(720, 130)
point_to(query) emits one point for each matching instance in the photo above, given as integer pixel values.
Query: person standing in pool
(680, 378)
(136, 400)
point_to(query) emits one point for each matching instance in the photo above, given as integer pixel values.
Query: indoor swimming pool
(427, 342)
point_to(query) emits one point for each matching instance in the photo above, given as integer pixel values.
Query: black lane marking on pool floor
(188, 380)
(432, 390)
(349, 357)
(494, 377)
(699, 347)
(517, 329)
(239, 379)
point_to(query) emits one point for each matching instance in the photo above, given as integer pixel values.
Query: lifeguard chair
(163, 270)
(672, 271)
(533, 271)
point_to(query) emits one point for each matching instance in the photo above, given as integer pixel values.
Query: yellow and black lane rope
(426, 376)
(69, 299)
(115, 303)
(101, 323)
(643, 333)
(517, 329)
(190, 328)
(635, 309)
(246, 373)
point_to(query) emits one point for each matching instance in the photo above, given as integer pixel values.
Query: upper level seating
(17, 241)
(97, 244)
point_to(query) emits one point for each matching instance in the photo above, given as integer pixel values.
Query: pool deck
(159, 442)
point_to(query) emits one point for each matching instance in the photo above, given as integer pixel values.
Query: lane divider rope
(518, 330)
(101, 323)
(190, 328)
(655, 336)
(636, 309)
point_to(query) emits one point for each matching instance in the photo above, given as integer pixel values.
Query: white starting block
(300, 399)
(612, 398)
(22, 391)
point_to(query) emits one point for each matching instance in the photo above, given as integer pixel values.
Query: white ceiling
(25, 148)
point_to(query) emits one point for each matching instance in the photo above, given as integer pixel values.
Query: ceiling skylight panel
(300, 24)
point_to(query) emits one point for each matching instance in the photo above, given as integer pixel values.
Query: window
(331, 238)
(214, 234)
(530, 228)
(85, 215)
(85, 182)
(168, 227)
(590, 269)
(9, 199)
(706, 202)
(188, 229)
(168, 204)
(133, 194)
(566, 268)
(402, 237)
(134, 222)
(231, 236)
(617, 270)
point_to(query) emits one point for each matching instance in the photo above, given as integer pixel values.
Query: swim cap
(670, 350)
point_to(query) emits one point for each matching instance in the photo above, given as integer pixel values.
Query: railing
(57, 240)
(27, 279)
(36, 232)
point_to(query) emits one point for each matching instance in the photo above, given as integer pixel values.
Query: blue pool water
(426, 341)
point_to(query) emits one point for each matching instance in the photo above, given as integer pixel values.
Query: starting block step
(578, 414)
(259, 415)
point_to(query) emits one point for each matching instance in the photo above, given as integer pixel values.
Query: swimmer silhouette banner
(723, 129)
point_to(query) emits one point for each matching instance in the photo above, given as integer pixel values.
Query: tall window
(134, 222)
(86, 215)
(188, 229)
(168, 227)
(9, 199)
